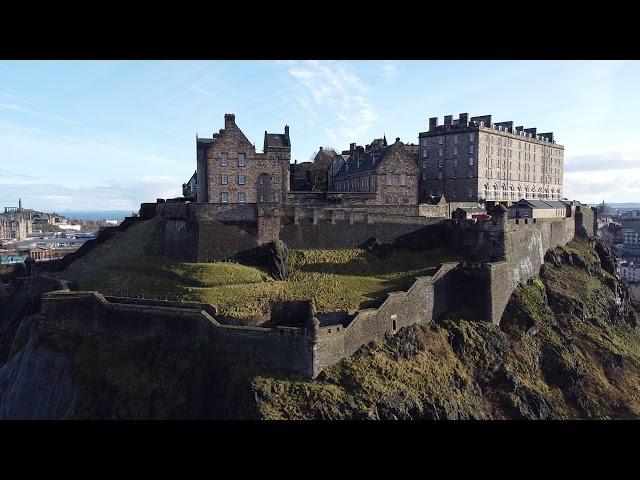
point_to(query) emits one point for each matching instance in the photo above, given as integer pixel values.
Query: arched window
(486, 191)
(512, 192)
(495, 190)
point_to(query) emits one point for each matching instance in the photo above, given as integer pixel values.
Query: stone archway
(264, 188)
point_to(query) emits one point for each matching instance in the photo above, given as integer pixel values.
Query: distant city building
(477, 160)
(604, 210)
(231, 171)
(629, 269)
(631, 231)
(14, 228)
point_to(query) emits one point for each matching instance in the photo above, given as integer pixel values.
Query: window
(470, 173)
(424, 165)
(224, 160)
(241, 179)
(439, 175)
(224, 197)
(440, 164)
(224, 179)
(424, 175)
(242, 197)
(241, 159)
(440, 140)
(424, 152)
(471, 136)
(455, 150)
(470, 148)
(455, 162)
(389, 178)
(403, 179)
(455, 138)
(439, 152)
(470, 161)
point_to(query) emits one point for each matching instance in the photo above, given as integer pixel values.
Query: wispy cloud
(18, 108)
(203, 91)
(10, 174)
(125, 195)
(337, 89)
(389, 70)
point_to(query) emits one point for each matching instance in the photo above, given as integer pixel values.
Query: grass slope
(334, 279)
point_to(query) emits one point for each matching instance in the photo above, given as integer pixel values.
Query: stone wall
(281, 348)
(213, 232)
(426, 300)
(300, 350)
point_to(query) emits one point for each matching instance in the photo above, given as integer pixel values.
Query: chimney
(352, 147)
(19, 204)
(433, 123)
(286, 130)
(397, 139)
(447, 120)
(463, 120)
(320, 148)
(229, 119)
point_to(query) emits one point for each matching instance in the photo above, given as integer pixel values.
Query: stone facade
(388, 172)
(14, 228)
(477, 160)
(231, 171)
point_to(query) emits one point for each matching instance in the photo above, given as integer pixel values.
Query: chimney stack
(286, 130)
(433, 123)
(463, 120)
(229, 119)
(448, 120)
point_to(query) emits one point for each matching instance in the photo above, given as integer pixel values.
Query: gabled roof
(367, 161)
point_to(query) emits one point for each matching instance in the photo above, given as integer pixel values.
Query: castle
(244, 200)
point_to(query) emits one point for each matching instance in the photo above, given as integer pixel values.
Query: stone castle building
(473, 159)
(230, 170)
(389, 172)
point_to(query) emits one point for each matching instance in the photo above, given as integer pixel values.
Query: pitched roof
(546, 204)
(365, 162)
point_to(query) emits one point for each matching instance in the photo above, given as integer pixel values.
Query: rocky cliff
(568, 347)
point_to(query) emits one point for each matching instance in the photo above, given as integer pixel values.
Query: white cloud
(335, 88)
(121, 195)
(18, 108)
(389, 70)
(203, 91)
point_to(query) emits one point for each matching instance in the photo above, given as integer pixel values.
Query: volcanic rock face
(567, 347)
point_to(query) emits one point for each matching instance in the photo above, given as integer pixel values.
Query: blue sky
(112, 134)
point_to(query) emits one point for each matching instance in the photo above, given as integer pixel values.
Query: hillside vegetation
(568, 347)
(334, 279)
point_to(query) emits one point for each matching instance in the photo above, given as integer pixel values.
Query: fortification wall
(284, 349)
(212, 232)
(586, 221)
(427, 299)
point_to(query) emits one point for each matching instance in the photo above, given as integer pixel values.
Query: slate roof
(545, 204)
(369, 161)
(276, 140)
